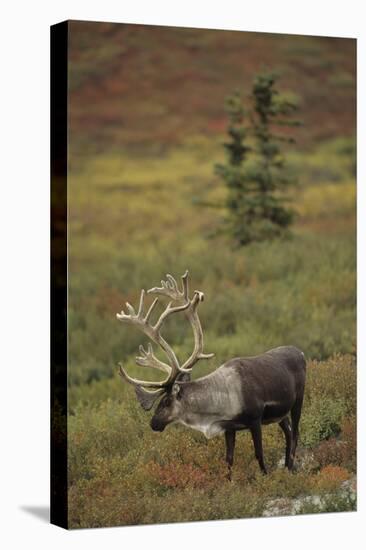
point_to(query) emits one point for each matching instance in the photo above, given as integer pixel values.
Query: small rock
(289, 507)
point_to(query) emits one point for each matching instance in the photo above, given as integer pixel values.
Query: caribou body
(242, 394)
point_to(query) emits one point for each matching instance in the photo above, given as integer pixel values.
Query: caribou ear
(147, 398)
(175, 389)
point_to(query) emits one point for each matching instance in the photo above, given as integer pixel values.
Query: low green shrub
(321, 420)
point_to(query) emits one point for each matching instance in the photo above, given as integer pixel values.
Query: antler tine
(131, 309)
(168, 311)
(147, 316)
(148, 359)
(141, 383)
(172, 283)
(185, 284)
(132, 316)
(195, 322)
(141, 304)
(168, 288)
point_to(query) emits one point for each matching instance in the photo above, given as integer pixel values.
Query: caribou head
(148, 392)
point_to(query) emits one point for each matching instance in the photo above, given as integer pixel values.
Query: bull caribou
(242, 394)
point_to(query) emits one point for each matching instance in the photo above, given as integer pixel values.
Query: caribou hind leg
(230, 446)
(286, 428)
(256, 431)
(295, 420)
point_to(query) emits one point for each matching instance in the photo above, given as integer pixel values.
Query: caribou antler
(169, 289)
(153, 332)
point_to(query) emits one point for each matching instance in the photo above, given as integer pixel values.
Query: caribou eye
(164, 402)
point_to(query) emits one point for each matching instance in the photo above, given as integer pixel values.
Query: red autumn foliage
(179, 476)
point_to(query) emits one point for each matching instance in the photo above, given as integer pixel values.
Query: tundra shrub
(321, 420)
(330, 398)
(339, 451)
(330, 478)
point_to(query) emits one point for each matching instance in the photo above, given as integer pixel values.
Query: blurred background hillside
(147, 123)
(146, 127)
(145, 88)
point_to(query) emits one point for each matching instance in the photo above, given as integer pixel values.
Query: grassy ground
(146, 128)
(120, 472)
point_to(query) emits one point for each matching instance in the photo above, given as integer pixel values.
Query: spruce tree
(256, 203)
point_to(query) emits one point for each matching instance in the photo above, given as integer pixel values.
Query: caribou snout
(156, 425)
